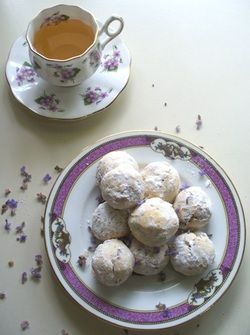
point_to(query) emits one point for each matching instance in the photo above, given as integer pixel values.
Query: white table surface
(197, 55)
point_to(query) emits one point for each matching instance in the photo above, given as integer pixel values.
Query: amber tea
(63, 40)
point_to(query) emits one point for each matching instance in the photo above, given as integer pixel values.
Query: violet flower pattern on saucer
(68, 103)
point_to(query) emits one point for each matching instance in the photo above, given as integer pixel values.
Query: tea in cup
(65, 44)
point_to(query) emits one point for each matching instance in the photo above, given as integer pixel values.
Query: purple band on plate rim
(134, 316)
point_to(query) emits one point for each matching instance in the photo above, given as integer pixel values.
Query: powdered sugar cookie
(122, 187)
(149, 260)
(108, 223)
(154, 222)
(192, 206)
(112, 262)
(161, 180)
(112, 160)
(194, 252)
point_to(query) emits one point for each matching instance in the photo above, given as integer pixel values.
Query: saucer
(142, 302)
(68, 103)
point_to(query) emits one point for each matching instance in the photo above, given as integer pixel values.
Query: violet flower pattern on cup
(112, 61)
(64, 73)
(95, 58)
(55, 19)
(95, 95)
(49, 102)
(25, 74)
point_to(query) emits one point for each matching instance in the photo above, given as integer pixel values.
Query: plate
(68, 103)
(72, 201)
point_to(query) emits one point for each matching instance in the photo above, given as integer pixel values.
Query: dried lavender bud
(12, 203)
(184, 186)
(22, 238)
(162, 276)
(58, 169)
(27, 178)
(155, 128)
(92, 248)
(19, 229)
(160, 306)
(7, 225)
(25, 325)
(39, 260)
(13, 212)
(41, 198)
(36, 273)
(46, 178)
(198, 122)
(23, 170)
(177, 129)
(24, 277)
(81, 261)
(202, 173)
(2, 295)
(7, 192)
(42, 231)
(10, 264)
(4, 208)
(165, 104)
(24, 186)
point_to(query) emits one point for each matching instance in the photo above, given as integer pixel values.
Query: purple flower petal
(11, 203)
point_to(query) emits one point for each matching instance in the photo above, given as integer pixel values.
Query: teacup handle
(113, 34)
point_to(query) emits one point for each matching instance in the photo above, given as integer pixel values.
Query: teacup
(53, 54)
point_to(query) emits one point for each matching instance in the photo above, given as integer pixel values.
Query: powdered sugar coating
(192, 206)
(122, 187)
(112, 160)
(112, 262)
(194, 252)
(161, 180)
(149, 260)
(108, 223)
(154, 222)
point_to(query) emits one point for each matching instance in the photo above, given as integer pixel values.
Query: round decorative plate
(138, 302)
(68, 103)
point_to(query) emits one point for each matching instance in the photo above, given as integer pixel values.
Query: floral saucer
(68, 103)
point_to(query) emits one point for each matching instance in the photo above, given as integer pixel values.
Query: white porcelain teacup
(62, 68)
